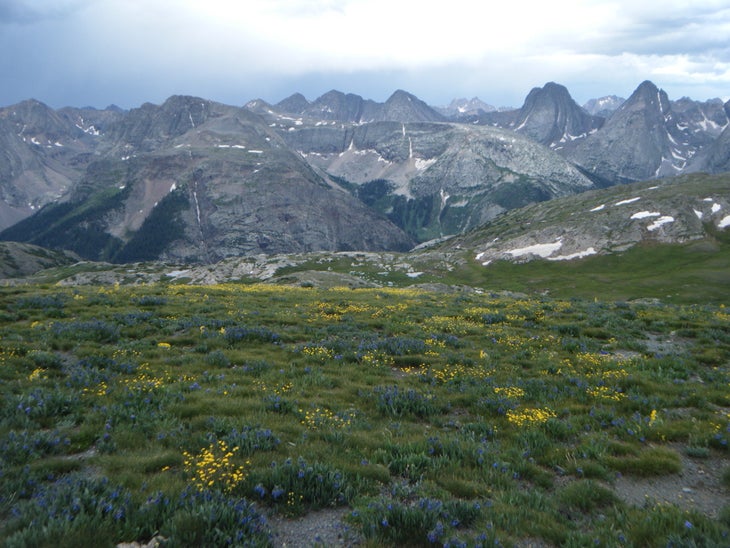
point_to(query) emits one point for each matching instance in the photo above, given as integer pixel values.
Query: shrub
(238, 334)
(396, 402)
(250, 440)
(93, 330)
(586, 496)
(656, 461)
(425, 522)
(21, 447)
(211, 519)
(293, 486)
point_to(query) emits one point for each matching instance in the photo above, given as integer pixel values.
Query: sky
(128, 52)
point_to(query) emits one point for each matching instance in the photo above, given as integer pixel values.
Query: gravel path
(320, 528)
(697, 487)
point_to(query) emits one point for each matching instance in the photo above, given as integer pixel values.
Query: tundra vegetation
(433, 418)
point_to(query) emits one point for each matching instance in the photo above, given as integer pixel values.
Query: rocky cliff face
(551, 117)
(646, 138)
(715, 157)
(435, 179)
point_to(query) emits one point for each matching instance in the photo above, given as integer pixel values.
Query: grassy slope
(499, 418)
(684, 273)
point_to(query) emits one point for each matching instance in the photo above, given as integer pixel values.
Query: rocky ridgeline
(196, 181)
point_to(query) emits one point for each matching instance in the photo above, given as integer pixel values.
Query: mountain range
(192, 180)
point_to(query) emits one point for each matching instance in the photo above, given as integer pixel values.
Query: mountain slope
(20, 260)
(551, 117)
(644, 138)
(435, 179)
(42, 153)
(687, 208)
(198, 182)
(715, 157)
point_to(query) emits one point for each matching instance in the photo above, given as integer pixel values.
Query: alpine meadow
(341, 322)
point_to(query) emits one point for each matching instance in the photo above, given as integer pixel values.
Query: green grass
(433, 417)
(696, 272)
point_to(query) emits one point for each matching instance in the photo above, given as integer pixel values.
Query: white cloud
(496, 50)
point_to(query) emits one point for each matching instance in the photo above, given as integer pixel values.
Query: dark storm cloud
(97, 52)
(694, 29)
(26, 12)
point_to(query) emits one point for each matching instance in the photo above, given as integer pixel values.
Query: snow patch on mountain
(660, 222)
(645, 214)
(541, 250)
(422, 165)
(578, 255)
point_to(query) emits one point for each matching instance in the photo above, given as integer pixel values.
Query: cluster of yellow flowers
(334, 312)
(122, 353)
(292, 499)
(432, 345)
(606, 367)
(605, 393)
(278, 390)
(320, 353)
(214, 469)
(37, 374)
(652, 417)
(512, 392)
(8, 353)
(529, 416)
(144, 381)
(385, 311)
(377, 359)
(455, 325)
(445, 373)
(101, 389)
(320, 418)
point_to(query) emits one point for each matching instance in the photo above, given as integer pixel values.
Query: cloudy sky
(127, 52)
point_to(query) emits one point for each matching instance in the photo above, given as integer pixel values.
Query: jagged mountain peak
(551, 116)
(336, 105)
(405, 107)
(294, 104)
(32, 112)
(550, 92)
(604, 106)
(401, 95)
(647, 95)
(258, 105)
(463, 106)
(641, 140)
